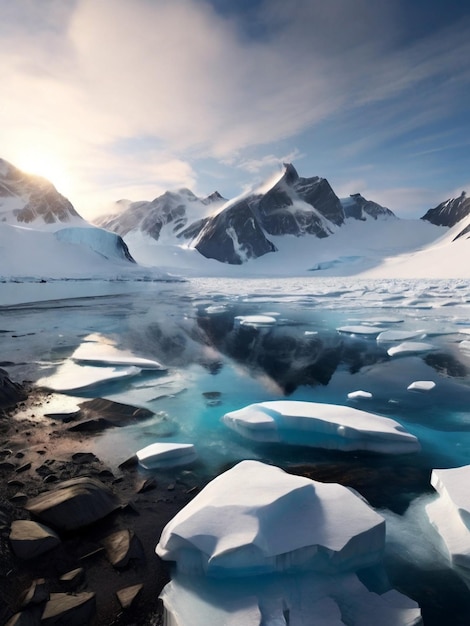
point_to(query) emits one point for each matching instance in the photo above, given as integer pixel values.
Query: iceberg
(301, 599)
(352, 395)
(366, 331)
(399, 335)
(257, 321)
(450, 515)
(163, 455)
(104, 354)
(410, 347)
(320, 425)
(257, 519)
(421, 385)
(70, 377)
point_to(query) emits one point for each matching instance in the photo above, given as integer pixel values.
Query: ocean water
(219, 358)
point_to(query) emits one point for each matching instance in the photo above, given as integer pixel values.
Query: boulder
(29, 539)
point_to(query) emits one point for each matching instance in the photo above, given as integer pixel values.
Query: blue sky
(128, 98)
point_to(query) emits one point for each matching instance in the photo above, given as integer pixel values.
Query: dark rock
(450, 212)
(359, 208)
(29, 539)
(123, 546)
(74, 503)
(127, 595)
(66, 609)
(91, 426)
(23, 468)
(29, 617)
(6, 466)
(10, 393)
(130, 462)
(19, 498)
(36, 594)
(146, 484)
(73, 578)
(84, 457)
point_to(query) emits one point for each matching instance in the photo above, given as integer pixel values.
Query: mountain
(357, 207)
(32, 200)
(163, 218)
(41, 233)
(450, 212)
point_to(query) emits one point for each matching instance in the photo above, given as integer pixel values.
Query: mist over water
(228, 343)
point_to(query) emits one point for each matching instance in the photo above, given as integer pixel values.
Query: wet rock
(146, 484)
(19, 497)
(73, 578)
(10, 393)
(84, 457)
(36, 594)
(121, 547)
(127, 595)
(74, 503)
(30, 617)
(66, 609)
(114, 413)
(23, 468)
(90, 426)
(130, 462)
(29, 539)
(7, 466)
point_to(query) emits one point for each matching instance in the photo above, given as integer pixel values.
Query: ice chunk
(410, 347)
(162, 455)
(301, 600)
(71, 377)
(421, 385)
(257, 321)
(256, 519)
(368, 331)
(320, 425)
(101, 353)
(399, 335)
(359, 394)
(450, 513)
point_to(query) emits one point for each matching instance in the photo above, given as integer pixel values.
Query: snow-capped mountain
(41, 234)
(357, 207)
(32, 200)
(450, 212)
(164, 218)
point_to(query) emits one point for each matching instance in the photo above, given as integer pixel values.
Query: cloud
(83, 78)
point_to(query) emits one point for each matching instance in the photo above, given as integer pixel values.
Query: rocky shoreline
(105, 572)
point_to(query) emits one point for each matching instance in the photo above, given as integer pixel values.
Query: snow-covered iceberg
(104, 354)
(257, 519)
(302, 600)
(167, 454)
(71, 377)
(410, 347)
(321, 425)
(450, 515)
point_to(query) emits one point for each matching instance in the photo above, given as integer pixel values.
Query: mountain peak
(450, 212)
(290, 175)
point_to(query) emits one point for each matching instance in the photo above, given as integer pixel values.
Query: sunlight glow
(41, 163)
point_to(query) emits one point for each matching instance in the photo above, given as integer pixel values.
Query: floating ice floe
(450, 515)
(319, 425)
(104, 354)
(367, 331)
(257, 519)
(421, 385)
(70, 377)
(465, 346)
(359, 394)
(301, 599)
(410, 347)
(164, 455)
(399, 335)
(257, 321)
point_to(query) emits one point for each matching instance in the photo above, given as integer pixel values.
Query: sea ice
(410, 347)
(421, 385)
(359, 394)
(450, 514)
(258, 321)
(163, 455)
(368, 331)
(256, 519)
(399, 335)
(320, 425)
(71, 377)
(105, 354)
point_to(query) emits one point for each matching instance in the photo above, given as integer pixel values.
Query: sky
(114, 99)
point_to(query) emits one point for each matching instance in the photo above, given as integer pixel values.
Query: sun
(45, 165)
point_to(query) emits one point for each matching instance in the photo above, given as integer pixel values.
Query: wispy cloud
(82, 77)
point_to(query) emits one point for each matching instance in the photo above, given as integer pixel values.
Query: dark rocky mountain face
(233, 236)
(292, 206)
(450, 212)
(357, 207)
(25, 198)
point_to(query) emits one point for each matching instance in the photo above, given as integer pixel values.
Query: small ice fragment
(163, 455)
(421, 385)
(369, 331)
(359, 394)
(399, 335)
(257, 321)
(410, 347)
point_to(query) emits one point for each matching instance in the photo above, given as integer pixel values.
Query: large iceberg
(450, 515)
(257, 519)
(321, 425)
(299, 600)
